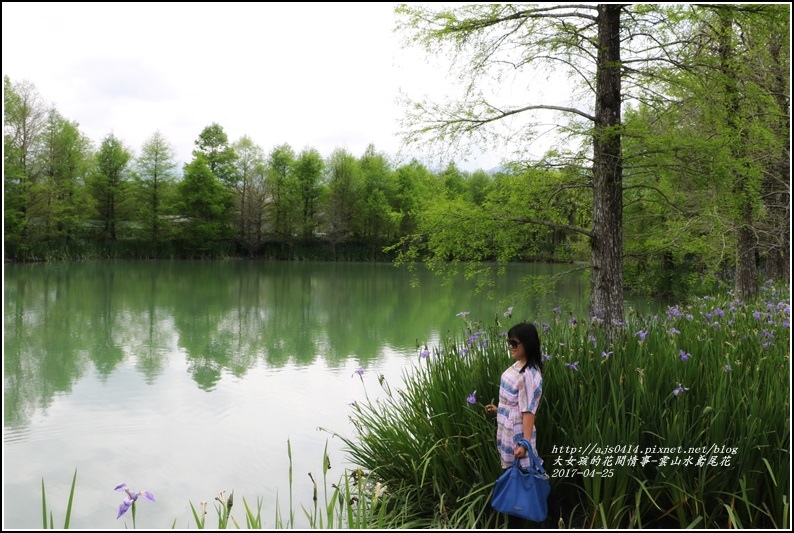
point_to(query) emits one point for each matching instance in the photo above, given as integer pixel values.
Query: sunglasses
(513, 343)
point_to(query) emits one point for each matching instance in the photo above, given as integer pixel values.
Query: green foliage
(531, 215)
(478, 185)
(708, 383)
(379, 218)
(308, 174)
(205, 204)
(705, 141)
(454, 182)
(200, 515)
(345, 184)
(24, 118)
(155, 179)
(282, 187)
(415, 187)
(109, 185)
(702, 154)
(353, 502)
(250, 194)
(63, 204)
(442, 460)
(213, 145)
(45, 511)
(224, 510)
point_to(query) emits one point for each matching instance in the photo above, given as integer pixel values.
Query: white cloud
(319, 75)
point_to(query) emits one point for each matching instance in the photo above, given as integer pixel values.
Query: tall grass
(48, 520)
(707, 382)
(353, 501)
(350, 502)
(431, 447)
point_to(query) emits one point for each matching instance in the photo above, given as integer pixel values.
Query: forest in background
(705, 179)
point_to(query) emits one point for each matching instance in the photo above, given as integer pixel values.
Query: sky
(311, 75)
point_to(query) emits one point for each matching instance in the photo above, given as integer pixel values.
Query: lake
(190, 378)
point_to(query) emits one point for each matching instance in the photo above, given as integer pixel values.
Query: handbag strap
(534, 460)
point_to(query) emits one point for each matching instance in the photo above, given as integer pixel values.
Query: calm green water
(188, 378)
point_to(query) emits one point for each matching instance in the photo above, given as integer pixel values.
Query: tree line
(64, 197)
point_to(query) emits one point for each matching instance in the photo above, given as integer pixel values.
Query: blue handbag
(523, 492)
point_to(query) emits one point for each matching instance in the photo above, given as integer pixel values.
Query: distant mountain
(494, 170)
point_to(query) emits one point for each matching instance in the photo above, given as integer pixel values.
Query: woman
(519, 395)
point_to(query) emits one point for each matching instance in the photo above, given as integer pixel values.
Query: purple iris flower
(573, 366)
(641, 334)
(727, 368)
(684, 355)
(424, 353)
(606, 354)
(680, 389)
(359, 371)
(673, 331)
(131, 498)
(673, 312)
(472, 399)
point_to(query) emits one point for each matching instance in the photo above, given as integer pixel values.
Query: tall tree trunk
(746, 284)
(606, 284)
(777, 186)
(746, 246)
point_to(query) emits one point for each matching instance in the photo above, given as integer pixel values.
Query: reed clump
(682, 421)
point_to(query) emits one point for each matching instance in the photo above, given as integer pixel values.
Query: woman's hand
(490, 409)
(520, 452)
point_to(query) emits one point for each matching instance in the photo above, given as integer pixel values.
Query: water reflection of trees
(63, 321)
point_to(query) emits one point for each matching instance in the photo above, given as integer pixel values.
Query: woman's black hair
(527, 334)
